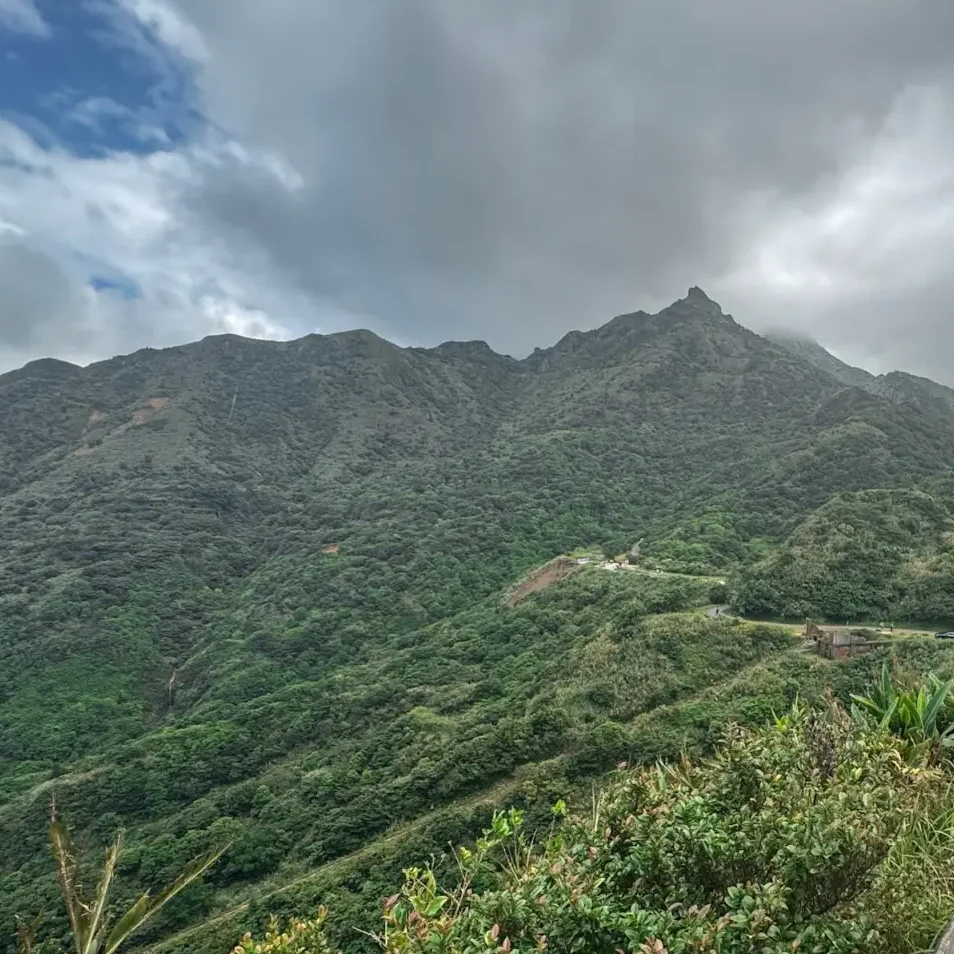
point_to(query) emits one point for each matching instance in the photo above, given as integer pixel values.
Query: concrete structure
(839, 643)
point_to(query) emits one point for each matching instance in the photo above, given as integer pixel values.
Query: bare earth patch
(142, 414)
(555, 571)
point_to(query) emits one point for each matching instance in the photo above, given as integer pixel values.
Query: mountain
(897, 386)
(254, 591)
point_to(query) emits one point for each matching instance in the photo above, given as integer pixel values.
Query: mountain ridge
(898, 386)
(624, 328)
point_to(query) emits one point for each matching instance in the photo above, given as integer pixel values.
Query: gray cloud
(49, 310)
(45, 310)
(510, 171)
(37, 296)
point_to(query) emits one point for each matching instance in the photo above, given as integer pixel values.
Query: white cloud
(169, 27)
(22, 16)
(97, 113)
(128, 215)
(248, 322)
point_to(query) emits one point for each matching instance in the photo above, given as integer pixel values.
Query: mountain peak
(696, 302)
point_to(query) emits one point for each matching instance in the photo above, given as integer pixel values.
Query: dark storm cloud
(511, 170)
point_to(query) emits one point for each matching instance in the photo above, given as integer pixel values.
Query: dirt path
(799, 628)
(657, 574)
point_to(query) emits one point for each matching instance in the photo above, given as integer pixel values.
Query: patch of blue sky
(97, 81)
(125, 288)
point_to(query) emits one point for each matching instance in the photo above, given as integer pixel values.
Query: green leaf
(872, 706)
(886, 718)
(147, 907)
(934, 705)
(887, 688)
(68, 877)
(434, 908)
(95, 927)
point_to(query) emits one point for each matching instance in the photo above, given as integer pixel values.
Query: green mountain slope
(870, 555)
(254, 590)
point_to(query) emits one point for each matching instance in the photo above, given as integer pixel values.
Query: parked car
(944, 635)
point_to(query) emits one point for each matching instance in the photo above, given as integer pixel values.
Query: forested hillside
(873, 555)
(255, 591)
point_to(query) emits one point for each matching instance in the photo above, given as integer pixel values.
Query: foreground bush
(778, 843)
(816, 834)
(298, 937)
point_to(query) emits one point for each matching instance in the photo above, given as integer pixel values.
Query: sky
(495, 169)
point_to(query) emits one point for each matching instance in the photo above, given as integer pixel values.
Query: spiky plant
(921, 717)
(93, 931)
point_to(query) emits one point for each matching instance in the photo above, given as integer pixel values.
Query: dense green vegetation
(317, 770)
(870, 555)
(817, 832)
(800, 836)
(842, 831)
(188, 655)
